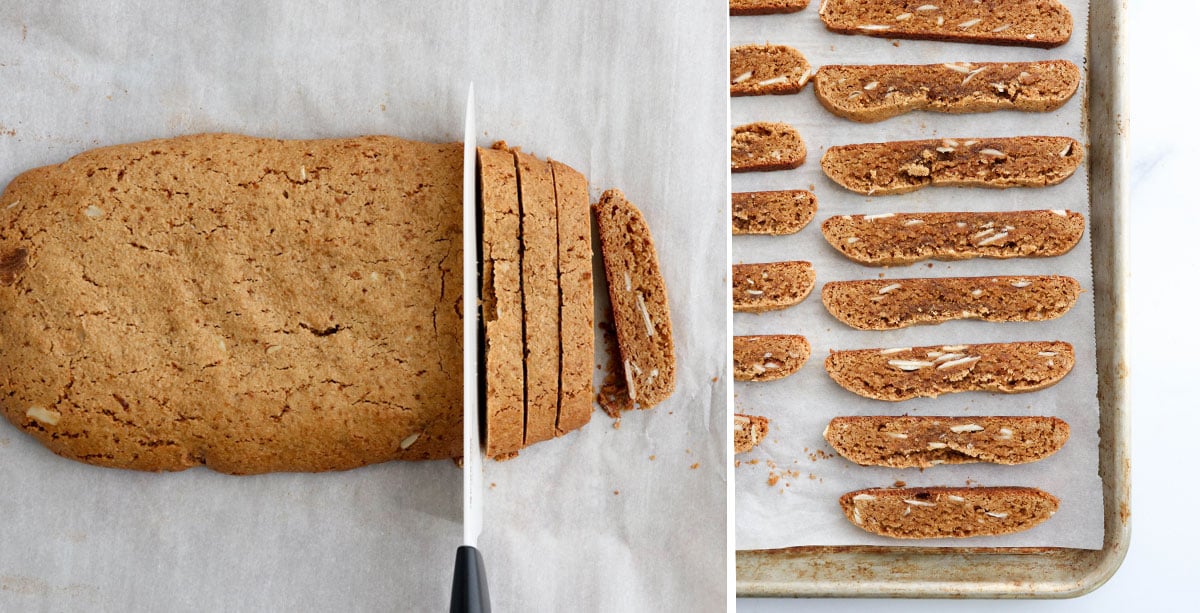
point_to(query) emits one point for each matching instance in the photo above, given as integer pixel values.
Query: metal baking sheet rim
(914, 572)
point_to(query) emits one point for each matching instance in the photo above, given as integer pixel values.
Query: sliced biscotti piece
(892, 239)
(767, 146)
(921, 442)
(1030, 23)
(777, 212)
(539, 287)
(575, 298)
(926, 372)
(757, 70)
(947, 512)
(641, 314)
(748, 431)
(905, 166)
(875, 93)
(771, 286)
(768, 357)
(504, 341)
(887, 304)
(765, 7)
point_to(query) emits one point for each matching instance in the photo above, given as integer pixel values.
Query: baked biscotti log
(768, 357)
(875, 93)
(504, 341)
(248, 304)
(771, 286)
(926, 372)
(1029, 23)
(906, 166)
(539, 290)
(767, 146)
(888, 304)
(765, 7)
(947, 512)
(575, 297)
(778, 212)
(641, 314)
(757, 70)
(921, 442)
(893, 239)
(748, 431)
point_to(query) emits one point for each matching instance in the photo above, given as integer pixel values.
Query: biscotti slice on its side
(757, 70)
(1029, 23)
(892, 239)
(504, 341)
(765, 7)
(947, 512)
(575, 297)
(914, 372)
(766, 146)
(768, 357)
(748, 431)
(921, 442)
(875, 93)
(906, 166)
(771, 286)
(641, 314)
(539, 287)
(778, 212)
(887, 304)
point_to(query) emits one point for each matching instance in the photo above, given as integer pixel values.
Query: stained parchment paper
(632, 94)
(801, 508)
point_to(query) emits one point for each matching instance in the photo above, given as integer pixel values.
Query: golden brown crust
(765, 7)
(925, 441)
(575, 297)
(775, 213)
(766, 146)
(748, 431)
(1027, 23)
(947, 512)
(771, 286)
(768, 357)
(757, 70)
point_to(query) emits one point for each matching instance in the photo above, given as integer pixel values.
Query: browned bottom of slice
(908, 442)
(756, 70)
(748, 432)
(778, 212)
(1028, 23)
(947, 512)
(768, 357)
(771, 286)
(765, 7)
(766, 146)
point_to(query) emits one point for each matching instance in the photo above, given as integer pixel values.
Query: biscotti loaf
(771, 286)
(766, 146)
(921, 442)
(913, 372)
(575, 297)
(887, 304)
(906, 166)
(641, 314)
(768, 357)
(875, 93)
(891, 239)
(765, 7)
(748, 431)
(1031, 23)
(778, 212)
(756, 70)
(947, 512)
(249, 304)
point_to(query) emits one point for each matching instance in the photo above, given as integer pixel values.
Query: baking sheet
(801, 507)
(596, 520)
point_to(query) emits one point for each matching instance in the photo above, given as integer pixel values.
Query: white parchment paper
(801, 508)
(632, 94)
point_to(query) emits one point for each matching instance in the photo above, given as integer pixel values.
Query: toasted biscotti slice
(778, 212)
(768, 357)
(875, 93)
(921, 442)
(575, 298)
(1030, 23)
(504, 342)
(906, 166)
(756, 70)
(765, 7)
(888, 304)
(914, 372)
(748, 431)
(539, 287)
(641, 314)
(892, 239)
(947, 512)
(766, 146)
(771, 286)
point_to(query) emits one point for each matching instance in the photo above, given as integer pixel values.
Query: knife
(470, 592)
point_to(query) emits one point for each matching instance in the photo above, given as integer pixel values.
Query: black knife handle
(470, 592)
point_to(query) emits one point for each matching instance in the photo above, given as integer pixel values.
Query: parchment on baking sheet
(802, 507)
(632, 95)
